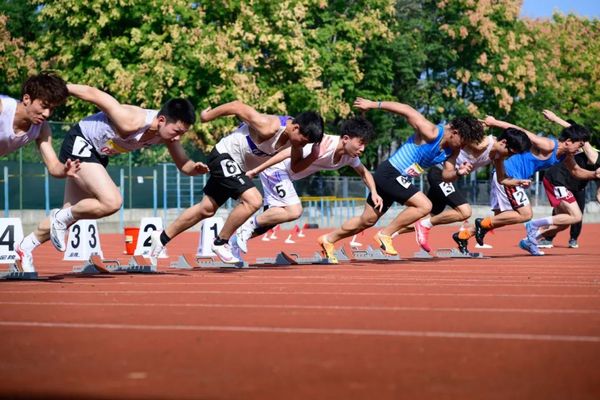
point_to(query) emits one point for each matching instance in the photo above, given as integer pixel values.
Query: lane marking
(309, 331)
(310, 307)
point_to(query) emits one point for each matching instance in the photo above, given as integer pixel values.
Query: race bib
(414, 170)
(230, 168)
(403, 181)
(447, 188)
(561, 192)
(81, 148)
(520, 196)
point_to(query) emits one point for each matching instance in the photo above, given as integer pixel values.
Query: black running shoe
(462, 243)
(480, 231)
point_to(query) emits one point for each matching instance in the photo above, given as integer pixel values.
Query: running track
(509, 327)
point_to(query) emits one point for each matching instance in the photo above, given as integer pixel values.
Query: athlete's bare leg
(191, 216)
(250, 202)
(417, 207)
(367, 219)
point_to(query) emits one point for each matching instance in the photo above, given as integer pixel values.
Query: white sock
(427, 223)
(541, 222)
(65, 216)
(254, 222)
(29, 243)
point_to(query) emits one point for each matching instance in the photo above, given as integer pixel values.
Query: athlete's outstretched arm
(55, 167)
(119, 114)
(183, 162)
(450, 172)
(299, 162)
(590, 153)
(415, 119)
(263, 124)
(550, 116)
(503, 179)
(543, 144)
(367, 178)
(277, 158)
(579, 172)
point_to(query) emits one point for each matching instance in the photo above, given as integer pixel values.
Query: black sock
(164, 239)
(262, 229)
(220, 242)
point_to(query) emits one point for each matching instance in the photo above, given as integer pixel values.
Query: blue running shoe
(532, 233)
(530, 248)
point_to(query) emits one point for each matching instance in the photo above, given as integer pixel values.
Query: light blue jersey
(524, 165)
(412, 159)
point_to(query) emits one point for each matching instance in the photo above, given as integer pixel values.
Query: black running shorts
(442, 193)
(391, 186)
(227, 179)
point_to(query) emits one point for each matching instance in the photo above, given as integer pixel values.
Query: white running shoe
(58, 231)
(26, 259)
(244, 233)
(224, 253)
(235, 249)
(156, 247)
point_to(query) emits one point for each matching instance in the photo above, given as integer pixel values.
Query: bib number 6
(230, 168)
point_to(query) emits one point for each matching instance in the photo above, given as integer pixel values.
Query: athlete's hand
(377, 201)
(251, 174)
(465, 168)
(549, 115)
(364, 104)
(72, 167)
(524, 182)
(200, 168)
(489, 121)
(204, 116)
(598, 173)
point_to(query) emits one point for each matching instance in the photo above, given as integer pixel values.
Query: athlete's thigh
(571, 208)
(279, 190)
(93, 179)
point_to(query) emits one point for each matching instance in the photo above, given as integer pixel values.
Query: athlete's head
(41, 94)
(355, 133)
(464, 131)
(175, 118)
(306, 127)
(574, 137)
(512, 141)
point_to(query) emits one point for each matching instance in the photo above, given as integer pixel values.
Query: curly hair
(357, 127)
(468, 128)
(49, 88)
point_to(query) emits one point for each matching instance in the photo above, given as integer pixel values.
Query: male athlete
(117, 128)
(259, 137)
(430, 145)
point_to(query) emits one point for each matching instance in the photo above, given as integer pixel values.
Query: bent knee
(111, 206)
(465, 211)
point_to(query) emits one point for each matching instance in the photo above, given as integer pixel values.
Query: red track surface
(513, 326)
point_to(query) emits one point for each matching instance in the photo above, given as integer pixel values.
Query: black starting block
(370, 254)
(98, 265)
(283, 258)
(15, 272)
(455, 253)
(192, 261)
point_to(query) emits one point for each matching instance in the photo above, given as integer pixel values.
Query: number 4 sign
(84, 241)
(209, 230)
(11, 234)
(147, 226)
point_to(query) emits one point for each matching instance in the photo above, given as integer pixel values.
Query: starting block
(98, 265)
(192, 261)
(371, 254)
(15, 273)
(422, 254)
(455, 253)
(283, 258)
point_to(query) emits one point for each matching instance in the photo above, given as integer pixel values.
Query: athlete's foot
(243, 234)
(223, 251)
(422, 236)
(532, 233)
(328, 249)
(58, 231)
(480, 231)
(385, 243)
(156, 247)
(235, 248)
(545, 244)
(530, 248)
(462, 243)
(573, 244)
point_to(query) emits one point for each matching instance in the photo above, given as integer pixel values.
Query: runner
(281, 202)
(259, 137)
(509, 199)
(428, 146)
(118, 128)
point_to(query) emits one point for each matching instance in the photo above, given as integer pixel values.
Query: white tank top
(99, 132)
(9, 140)
(324, 162)
(478, 162)
(242, 149)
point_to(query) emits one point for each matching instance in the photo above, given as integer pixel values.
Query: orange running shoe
(328, 249)
(385, 242)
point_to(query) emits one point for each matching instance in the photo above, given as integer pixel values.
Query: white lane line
(287, 293)
(308, 307)
(310, 331)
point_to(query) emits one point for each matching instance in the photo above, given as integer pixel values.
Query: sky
(545, 8)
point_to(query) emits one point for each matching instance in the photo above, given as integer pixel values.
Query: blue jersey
(524, 165)
(412, 159)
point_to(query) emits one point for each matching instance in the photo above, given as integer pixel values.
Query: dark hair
(576, 133)
(46, 87)
(357, 127)
(517, 141)
(469, 129)
(311, 125)
(175, 110)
